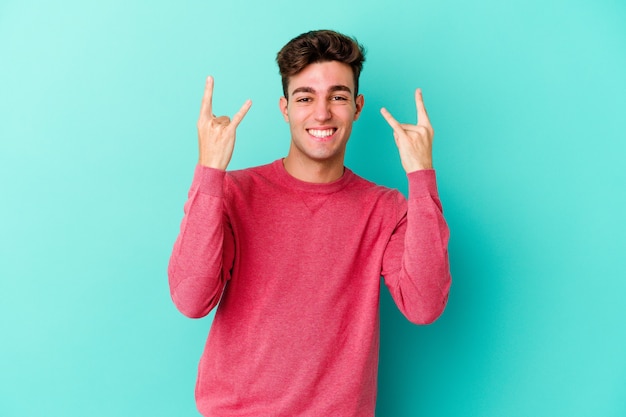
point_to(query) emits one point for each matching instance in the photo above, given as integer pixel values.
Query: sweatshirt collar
(310, 187)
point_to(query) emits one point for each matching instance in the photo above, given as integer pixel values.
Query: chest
(318, 223)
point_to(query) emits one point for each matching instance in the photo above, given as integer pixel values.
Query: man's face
(320, 110)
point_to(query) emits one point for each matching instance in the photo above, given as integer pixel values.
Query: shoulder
(253, 178)
(248, 173)
(387, 202)
(371, 189)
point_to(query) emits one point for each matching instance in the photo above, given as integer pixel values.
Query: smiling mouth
(321, 133)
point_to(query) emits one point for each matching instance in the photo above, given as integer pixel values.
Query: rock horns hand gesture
(216, 135)
(414, 142)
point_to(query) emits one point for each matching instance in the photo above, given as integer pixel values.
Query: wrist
(417, 166)
(213, 163)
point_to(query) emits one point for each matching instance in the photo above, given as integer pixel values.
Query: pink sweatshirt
(296, 269)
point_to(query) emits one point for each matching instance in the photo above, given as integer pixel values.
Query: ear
(282, 105)
(359, 102)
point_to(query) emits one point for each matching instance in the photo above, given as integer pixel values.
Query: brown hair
(319, 46)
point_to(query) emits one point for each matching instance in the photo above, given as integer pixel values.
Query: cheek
(295, 116)
(348, 114)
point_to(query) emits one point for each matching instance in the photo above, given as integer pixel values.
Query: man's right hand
(216, 135)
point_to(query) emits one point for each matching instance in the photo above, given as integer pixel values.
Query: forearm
(421, 281)
(196, 271)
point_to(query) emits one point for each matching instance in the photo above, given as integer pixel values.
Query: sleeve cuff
(209, 180)
(422, 183)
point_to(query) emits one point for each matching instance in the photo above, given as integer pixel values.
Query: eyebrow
(330, 90)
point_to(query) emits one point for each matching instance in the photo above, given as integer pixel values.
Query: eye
(338, 98)
(303, 100)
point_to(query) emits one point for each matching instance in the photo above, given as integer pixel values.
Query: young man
(293, 251)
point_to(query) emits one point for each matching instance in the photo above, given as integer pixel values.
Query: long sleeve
(415, 264)
(203, 253)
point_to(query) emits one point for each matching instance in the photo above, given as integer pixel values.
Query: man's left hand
(414, 142)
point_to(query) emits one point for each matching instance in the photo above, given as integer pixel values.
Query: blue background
(98, 104)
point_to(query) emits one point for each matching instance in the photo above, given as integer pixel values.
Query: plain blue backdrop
(98, 104)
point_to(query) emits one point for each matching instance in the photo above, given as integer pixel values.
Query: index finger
(422, 115)
(395, 125)
(238, 117)
(206, 108)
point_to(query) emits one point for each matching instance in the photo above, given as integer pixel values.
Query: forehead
(321, 76)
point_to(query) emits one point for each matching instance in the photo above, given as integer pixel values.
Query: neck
(313, 171)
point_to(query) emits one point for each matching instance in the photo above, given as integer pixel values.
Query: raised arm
(203, 253)
(415, 264)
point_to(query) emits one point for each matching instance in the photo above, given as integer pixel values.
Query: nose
(322, 110)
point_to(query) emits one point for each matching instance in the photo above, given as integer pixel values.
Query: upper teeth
(321, 133)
